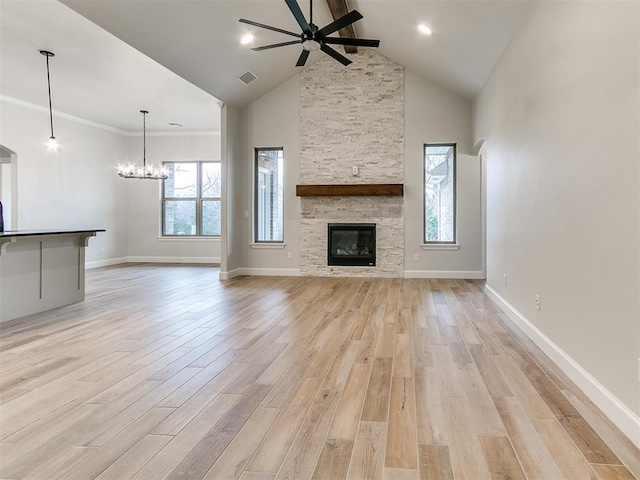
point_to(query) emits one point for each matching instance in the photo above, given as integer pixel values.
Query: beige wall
(435, 115)
(233, 250)
(271, 121)
(560, 114)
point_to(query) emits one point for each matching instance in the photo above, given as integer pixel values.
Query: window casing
(440, 193)
(269, 195)
(191, 200)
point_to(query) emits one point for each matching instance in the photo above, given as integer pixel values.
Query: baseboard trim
(118, 261)
(260, 272)
(231, 274)
(471, 275)
(105, 263)
(626, 420)
(211, 260)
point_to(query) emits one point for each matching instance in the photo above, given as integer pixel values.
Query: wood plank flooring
(165, 372)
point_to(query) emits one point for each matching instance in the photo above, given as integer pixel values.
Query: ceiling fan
(312, 38)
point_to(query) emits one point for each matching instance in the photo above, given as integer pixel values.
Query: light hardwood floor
(165, 372)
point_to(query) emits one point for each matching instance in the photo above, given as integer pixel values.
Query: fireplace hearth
(352, 244)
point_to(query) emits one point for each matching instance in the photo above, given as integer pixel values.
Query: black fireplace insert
(352, 244)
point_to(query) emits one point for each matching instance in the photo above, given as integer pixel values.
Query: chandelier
(145, 171)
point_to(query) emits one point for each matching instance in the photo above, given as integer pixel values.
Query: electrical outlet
(23, 215)
(289, 256)
(537, 302)
(505, 280)
(415, 257)
(355, 170)
(103, 249)
(246, 214)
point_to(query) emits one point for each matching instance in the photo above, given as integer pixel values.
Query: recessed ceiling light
(424, 29)
(248, 38)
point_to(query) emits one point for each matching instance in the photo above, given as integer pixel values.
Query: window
(269, 195)
(440, 193)
(191, 199)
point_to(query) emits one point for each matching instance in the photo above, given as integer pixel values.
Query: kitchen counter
(41, 270)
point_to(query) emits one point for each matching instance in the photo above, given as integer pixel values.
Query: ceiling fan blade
(348, 19)
(275, 45)
(358, 42)
(299, 16)
(303, 58)
(268, 27)
(332, 53)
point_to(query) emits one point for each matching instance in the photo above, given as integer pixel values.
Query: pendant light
(146, 171)
(52, 145)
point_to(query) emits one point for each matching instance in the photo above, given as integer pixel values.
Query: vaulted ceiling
(198, 40)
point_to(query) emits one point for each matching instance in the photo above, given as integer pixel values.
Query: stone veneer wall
(352, 116)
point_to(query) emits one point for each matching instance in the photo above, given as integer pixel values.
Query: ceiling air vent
(247, 77)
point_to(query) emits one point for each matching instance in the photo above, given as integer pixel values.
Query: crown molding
(204, 133)
(84, 121)
(66, 116)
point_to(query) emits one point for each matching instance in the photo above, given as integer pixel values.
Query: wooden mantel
(351, 190)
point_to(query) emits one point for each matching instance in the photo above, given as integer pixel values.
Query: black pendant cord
(49, 88)
(311, 13)
(144, 139)
(50, 106)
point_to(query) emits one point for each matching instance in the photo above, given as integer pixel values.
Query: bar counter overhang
(41, 270)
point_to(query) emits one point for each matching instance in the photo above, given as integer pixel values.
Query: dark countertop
(34, 233)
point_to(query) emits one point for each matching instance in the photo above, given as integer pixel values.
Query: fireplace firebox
(352, 244)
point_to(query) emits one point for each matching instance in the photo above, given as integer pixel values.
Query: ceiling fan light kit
(311, 45)
(312, 38)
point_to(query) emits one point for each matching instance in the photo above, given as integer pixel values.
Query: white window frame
(438, 244)
(198, 200)
(256, 194)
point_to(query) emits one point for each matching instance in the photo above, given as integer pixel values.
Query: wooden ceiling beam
(339, 9)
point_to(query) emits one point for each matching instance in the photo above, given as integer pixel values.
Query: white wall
(560, 114)
(144, 205)
(435, 115)
(75, 188)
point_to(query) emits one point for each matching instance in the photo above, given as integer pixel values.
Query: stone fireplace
(352, 117)
(384, 212)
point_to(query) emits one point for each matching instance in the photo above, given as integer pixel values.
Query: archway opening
(8, 187)
(481, 150)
